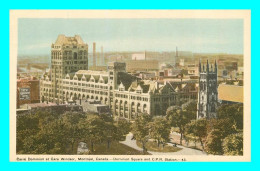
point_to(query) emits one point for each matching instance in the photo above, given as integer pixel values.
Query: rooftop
(90, 72)
(63, 40)
(231, 93)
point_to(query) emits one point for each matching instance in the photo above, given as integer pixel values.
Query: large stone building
(68, 54)
(208, 91)
(125, 94)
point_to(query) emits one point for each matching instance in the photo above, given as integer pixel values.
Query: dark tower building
(208, 91)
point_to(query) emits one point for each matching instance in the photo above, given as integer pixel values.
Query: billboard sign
(24, 94)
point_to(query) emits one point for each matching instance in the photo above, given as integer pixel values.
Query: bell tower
(208, 91)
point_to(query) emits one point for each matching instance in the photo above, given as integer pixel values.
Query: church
(208, 91)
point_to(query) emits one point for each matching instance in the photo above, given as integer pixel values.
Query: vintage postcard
(130, 85)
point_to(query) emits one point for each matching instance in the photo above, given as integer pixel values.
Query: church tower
(208, 91)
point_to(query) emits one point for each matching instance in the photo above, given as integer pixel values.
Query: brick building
(28, 91)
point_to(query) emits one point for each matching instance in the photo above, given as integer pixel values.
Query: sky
(35, 36)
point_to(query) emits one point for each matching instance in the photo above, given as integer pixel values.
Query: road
(183, 151)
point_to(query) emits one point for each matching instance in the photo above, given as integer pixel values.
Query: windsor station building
(126, 95)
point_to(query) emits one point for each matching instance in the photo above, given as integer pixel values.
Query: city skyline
(197, 35)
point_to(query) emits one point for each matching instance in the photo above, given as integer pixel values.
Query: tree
(178, 117)
(123, 128)
(93, 130)
(233, 112)
(73, 131)
(214, 142)
(110, 133)
(197, 128)
(190, 106)
(233, 144)
(140, 129)
(159, 130)
(225, 126)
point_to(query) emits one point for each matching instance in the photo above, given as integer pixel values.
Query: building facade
(28, 91)
(125, 94)
(68, 55)
(208, 91)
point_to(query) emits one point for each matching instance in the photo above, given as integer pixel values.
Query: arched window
(213, 108)
(75, 56)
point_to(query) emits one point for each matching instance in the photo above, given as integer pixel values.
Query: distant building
(193, 70)
(229, 94)
(146, 75)
(182, 63)
(142, 65)
(139, 56)
(208, 91)
(28, 91)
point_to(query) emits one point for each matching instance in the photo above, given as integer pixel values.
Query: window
(75, 56)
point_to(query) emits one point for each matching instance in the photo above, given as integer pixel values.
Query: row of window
(139, 98)
(121, 95)
(86, 90)
(74, 62)
(86, 85)
(164, 99)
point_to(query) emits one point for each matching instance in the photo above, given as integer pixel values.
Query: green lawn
(116, 148)
(152, 146)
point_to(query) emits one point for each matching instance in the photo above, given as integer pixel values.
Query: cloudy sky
(35, 36)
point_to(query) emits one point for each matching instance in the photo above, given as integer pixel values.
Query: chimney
(94, 54)
(102, 55)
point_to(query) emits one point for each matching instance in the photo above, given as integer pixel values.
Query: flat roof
(231, 93)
